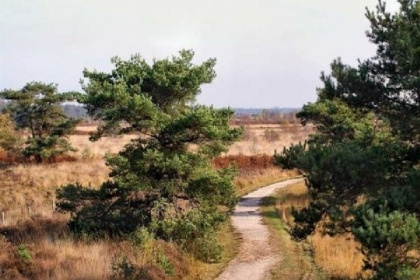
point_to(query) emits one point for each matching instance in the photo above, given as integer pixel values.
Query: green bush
(207, 248)
(388, 237)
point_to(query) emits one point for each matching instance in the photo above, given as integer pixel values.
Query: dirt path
(255, 258)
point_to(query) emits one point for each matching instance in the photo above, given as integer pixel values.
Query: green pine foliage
(164, 180)
(36, 109)
(362, 164)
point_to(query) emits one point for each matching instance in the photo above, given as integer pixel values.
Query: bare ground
(255, 257)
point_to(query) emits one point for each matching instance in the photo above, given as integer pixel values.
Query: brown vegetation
(43, 249)
(245, 162)
(338, 256)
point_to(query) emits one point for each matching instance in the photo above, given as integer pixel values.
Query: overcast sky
(269, 52)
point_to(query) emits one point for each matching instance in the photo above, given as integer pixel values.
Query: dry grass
(296, 262)
(27, 194)
(28, 190)
(294, 196)
(255, 141)
(55, 255)
(338, 256)
(33, 186)
(96, 150)
(50, 254)
(44, 249)
(255, 171)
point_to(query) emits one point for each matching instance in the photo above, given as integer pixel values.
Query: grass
(50, 256)
(296, 260)
(29, 189)
(49, 242)
(39, 250)
(339, 256)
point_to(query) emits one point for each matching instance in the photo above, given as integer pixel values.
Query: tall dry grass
(56, 255)
(338, 256)
(250, 180)
(28, 189)
(44, 249)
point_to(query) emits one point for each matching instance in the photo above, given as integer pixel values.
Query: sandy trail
(255, 258)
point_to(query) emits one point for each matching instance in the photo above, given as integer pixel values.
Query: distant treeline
(75, 111)
(242, 115)
(71, 110)
(259, 111)
(283, 116)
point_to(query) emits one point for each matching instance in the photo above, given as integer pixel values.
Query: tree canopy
(163, 180)
(36, 108)
(362, 165)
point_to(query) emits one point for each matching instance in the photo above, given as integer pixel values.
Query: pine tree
(36, 108)
(163, 180)
(367, 146)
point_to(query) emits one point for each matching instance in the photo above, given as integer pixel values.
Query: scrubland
(38, 245)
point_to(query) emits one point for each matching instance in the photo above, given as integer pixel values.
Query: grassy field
(30, 189)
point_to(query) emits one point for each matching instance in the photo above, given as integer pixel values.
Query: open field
(257, 139)
(29, 189)
(27, 197)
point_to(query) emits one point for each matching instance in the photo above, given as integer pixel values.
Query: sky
(270, 53)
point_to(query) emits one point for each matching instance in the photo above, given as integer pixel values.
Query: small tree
(164, 179)
(36, 108)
